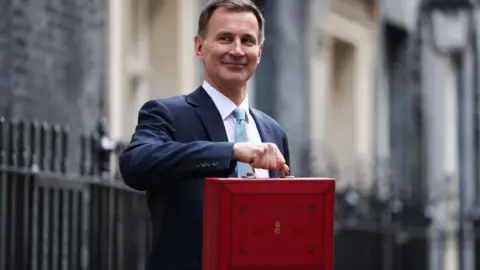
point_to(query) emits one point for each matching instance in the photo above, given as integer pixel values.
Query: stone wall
(52, 61)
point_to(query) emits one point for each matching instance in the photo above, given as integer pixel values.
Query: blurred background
(381, 94)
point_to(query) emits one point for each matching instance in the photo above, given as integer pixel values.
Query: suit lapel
(264, 131)
(208, 114)
(213, 122)
(265, 135)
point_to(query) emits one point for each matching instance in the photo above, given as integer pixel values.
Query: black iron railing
(379, 222)
(52, 218)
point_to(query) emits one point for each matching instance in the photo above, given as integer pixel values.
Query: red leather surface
(275, 224)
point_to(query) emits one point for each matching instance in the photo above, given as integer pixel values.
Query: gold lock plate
(251, 175)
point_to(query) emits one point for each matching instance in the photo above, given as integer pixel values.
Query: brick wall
(52, 61)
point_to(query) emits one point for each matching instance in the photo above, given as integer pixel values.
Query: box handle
(252, 175)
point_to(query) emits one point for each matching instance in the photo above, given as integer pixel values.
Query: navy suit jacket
(177, 143)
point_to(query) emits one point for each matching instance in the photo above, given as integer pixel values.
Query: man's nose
(237, 48)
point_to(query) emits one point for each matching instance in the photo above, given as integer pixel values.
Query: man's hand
(265, 156)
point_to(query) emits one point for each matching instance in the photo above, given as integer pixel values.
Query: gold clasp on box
(252, 174)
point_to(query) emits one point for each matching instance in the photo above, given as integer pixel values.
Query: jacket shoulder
(172, 102)
(165, 104)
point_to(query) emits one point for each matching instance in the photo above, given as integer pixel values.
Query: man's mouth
(234, 64)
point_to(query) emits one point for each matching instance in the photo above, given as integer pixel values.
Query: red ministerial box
(275, 224)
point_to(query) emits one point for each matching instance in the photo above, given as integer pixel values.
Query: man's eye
(248, 41)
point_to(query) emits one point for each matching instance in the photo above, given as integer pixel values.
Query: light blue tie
(241, 136)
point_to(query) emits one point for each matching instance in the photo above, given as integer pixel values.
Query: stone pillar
(433, 70)
(466, 161)
(282, 81)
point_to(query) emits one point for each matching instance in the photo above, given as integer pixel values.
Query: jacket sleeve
(154, 159)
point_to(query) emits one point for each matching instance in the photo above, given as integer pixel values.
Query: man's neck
(235, 93)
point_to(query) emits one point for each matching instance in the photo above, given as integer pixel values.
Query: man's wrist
(233, 156)
(233, 160)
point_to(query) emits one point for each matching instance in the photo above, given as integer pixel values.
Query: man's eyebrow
(227, 33)
(222, 33)
(249, 35)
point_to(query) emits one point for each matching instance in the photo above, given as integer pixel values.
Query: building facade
(356, 85)
(432, 102)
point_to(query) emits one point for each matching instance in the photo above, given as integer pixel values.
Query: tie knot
(239, 114)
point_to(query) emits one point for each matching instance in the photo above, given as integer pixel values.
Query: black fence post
(56, 217)
(3, 194)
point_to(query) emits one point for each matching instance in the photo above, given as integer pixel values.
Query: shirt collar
(224, 105)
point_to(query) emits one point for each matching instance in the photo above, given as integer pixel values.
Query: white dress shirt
(226, 107)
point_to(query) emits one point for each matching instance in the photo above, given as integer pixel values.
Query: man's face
(230, 49)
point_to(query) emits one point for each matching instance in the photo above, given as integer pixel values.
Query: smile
(235, 64)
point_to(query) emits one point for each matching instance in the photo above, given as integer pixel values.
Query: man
(211, 132)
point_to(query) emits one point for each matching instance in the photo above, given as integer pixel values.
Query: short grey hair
(234, 5)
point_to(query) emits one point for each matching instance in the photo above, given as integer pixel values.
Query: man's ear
(259, 56)
(199, 47)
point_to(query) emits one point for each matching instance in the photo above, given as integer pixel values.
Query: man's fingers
(268, 157)
(272, 161)
(285, 169)
(260, 152)
(280, 160)
(257, 154)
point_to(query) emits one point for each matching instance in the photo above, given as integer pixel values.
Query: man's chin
(236, 78)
